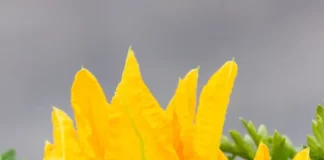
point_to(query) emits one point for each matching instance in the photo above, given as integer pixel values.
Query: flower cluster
(133, 126)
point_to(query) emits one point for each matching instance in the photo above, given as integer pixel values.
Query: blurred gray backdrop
(277, 44)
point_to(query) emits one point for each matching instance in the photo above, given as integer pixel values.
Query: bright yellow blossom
(105, 131)
(263, 153)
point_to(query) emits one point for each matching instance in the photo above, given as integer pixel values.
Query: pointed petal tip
(262, 152)
(131, 63)
(305, 151)
(194, 71)
(57, 111)
(81, 75)
(263, 146)
(130, 51)
(83, 70)
(232, 62)
(54, 108)
(47, 142)
(130, 55)
(232, 65)
(302, 155)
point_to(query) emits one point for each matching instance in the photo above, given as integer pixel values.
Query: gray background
(277, 44)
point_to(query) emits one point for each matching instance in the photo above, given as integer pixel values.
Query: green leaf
(241, 145)
(9, 155)
(248, 140)
(312, 143)
(226, 145)
(249, 126)
(262, 131)
(316, 142)
(317, 133)
(290, 150)
(278, 148)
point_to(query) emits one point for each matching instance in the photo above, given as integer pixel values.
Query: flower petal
(148, 116)
(47, 148)
(212, 107)
(191, 80)
(91, 113)
(50, 153)
(302, 155)
(186, 92)
(221, 155)
(262, 152)
(136, 95)
(64, 135)
(181, 108)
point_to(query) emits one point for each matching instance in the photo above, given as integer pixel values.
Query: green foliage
(316, 141)
(8, 155)
(279, 145)
(245, 146)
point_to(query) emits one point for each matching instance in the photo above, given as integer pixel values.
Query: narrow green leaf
(226, 145)
(316, 133)
(249, 143)
(249, 126)
(278, 147)
(312, 143)
(320, 112)
(319, 124)
(263, 131)
(290, 150)
(241, 145)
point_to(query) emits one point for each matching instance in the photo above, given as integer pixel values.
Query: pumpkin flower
(133, 126)
(263, 153)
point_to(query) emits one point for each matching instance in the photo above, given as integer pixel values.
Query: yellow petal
(187, 95)
(184, 100)
(221, 155)
(91, 111)
(302, 155)
(262, 152)
(191, 80)
(148, 116)
(47, 148)
(50, 153)
(64, 135)
(181, 108)
(212, 107)
(136, 95)
(53, 154)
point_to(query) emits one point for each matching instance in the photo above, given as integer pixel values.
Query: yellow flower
(263, 153)
(114, 131)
